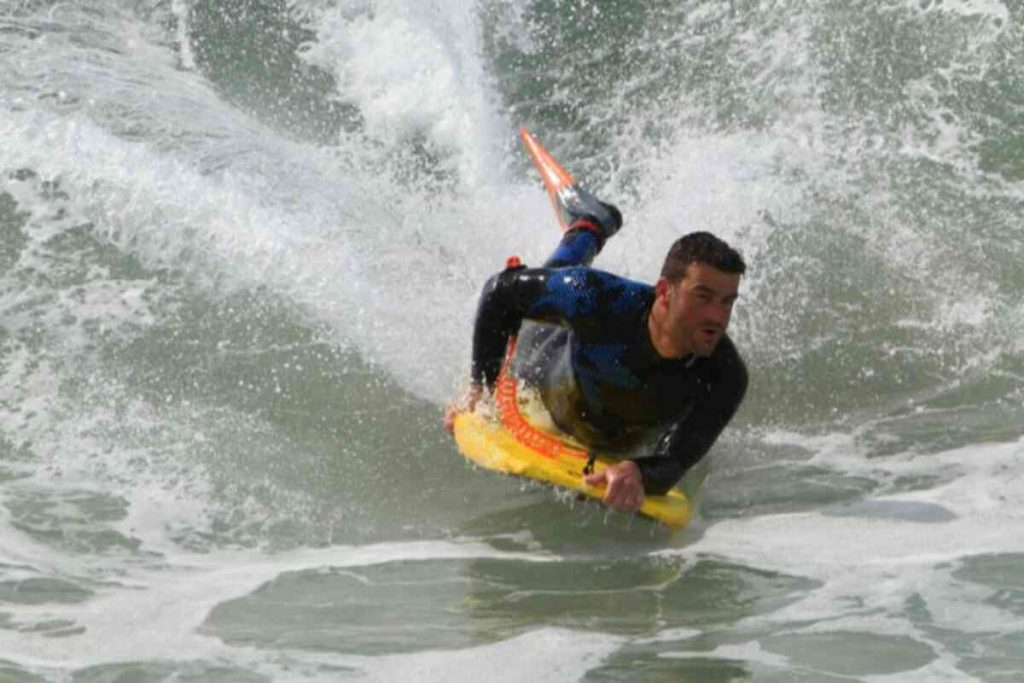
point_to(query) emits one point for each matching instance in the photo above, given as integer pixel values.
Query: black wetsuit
(590, 354)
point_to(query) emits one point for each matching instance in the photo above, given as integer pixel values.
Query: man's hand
(625, 485)
(462, 405)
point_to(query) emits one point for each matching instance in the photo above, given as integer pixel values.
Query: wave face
(240, 249)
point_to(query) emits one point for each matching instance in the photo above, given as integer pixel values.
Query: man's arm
(556, 295)
(688, 439)
(503, 304)
(542, 294)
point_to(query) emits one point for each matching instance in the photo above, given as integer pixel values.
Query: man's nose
(718, 313)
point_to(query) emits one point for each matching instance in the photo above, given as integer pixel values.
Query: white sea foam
(171, 215)
(154, 613)
(874, 556)
(553, 655)
(180, 10)
(994, 9)
(415, 69)
(393, 269)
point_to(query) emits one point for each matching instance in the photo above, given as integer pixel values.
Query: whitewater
(241, 245)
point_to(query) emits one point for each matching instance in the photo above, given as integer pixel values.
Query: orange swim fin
(557, 181)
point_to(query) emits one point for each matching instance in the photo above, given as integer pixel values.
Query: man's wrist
(636, 469)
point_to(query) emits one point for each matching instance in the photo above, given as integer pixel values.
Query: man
(616, 361)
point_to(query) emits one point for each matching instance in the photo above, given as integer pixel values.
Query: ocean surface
(240, 248)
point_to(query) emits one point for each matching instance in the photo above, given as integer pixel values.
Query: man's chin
(705, 347)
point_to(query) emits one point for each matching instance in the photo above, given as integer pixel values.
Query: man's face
(699, 307)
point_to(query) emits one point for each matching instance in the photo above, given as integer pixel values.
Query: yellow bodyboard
(487, 443)
(515, 445)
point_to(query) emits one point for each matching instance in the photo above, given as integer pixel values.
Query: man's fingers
(618, 495)
(623, 493)
(614, 492)
(450, 411)
(627, 502)
(466, 403)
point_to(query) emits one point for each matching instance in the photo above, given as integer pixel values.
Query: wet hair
(700, 247)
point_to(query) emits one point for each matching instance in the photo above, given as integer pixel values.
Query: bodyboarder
(615, 361)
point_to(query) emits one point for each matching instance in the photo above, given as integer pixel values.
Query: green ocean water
(240, 249)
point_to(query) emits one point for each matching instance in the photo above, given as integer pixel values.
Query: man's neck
(661, 340)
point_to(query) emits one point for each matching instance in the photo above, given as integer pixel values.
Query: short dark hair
(700, 247)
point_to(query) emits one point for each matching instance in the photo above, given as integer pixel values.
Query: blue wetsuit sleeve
(515, 294)
(688, 439)
(553, 295)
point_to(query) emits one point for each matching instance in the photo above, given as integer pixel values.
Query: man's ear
(661, 288)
